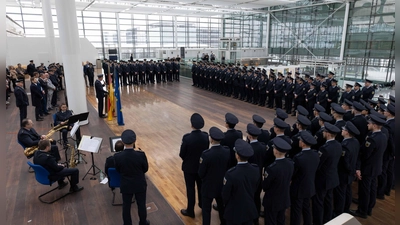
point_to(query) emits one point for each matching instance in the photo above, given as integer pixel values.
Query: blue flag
(120, 118)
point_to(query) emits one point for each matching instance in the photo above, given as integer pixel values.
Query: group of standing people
(45, 84)
(144, 72)
(253, 85)
(309, 166)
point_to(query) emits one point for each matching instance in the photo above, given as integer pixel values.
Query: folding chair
(42, 176)
(115, 182)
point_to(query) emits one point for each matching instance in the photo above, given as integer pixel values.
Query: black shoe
(381, 197)
(62, 185)
(358, 214)
(355, 200)
(39, 119)
(369, 213)
(215, 206)
(262, 214)
(147, 222)
(185, 213)
(46, 113)
(76, 188)
(387, 193)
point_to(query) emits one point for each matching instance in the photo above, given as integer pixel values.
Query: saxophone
(31, 150)
(72, 161)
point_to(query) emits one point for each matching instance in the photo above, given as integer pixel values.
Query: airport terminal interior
(160, 62)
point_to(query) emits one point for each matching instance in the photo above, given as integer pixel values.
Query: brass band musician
(61, 118)
(28, 137)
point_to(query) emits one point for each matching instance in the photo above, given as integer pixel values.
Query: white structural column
(70, 51)
(344, 33)
(48, 29)
(267, 31)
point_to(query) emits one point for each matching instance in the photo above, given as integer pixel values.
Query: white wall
(23, 49)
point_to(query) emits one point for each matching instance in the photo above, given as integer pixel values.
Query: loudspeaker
(345, 219)
(182, 52)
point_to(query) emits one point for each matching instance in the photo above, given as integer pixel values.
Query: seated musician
(28, 137)
(61, 118)
(57, 170)
(119, 146)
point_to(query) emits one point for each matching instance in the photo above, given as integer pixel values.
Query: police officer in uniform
(333, 92)
(258, 158)
(270, 90)
(347, 105)
(370, 166)
(357, 92)
(278, 90)
(289, 89)
(302, 187)
(231, 135)
(193, 145)
(299, 111)
(132, 165)
(299, 92)
(276, 184)
(311, 98)
(337, 113)
(368, 91)
(281, 114)
(326, 178)
(213, 166)
(314, 127)
(359, 121)
(240, 184)
(100, 94)
(279, 129)
(322, 97)
(259, 122)
(342, 194)
(348, 94)
(319, 135)
(301, 125)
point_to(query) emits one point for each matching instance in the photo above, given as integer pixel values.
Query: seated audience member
(61, 118)
(119, 146)
(57, 170)
(28, 137)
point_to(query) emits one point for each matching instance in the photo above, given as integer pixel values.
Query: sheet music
(74, 129)
(90, 144)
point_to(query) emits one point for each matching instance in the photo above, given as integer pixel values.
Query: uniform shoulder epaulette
(254, 165)
(205, 133)
(232, 169)
(205, 151)
(299, 154)
(185, 135)
(272, 165)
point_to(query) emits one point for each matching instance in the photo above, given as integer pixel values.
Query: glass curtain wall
(137, 34)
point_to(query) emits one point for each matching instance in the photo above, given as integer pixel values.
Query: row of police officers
(275, 91)
(144, 72)
(308, 166)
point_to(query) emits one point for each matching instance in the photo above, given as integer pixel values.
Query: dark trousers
(383, 179)
(298, 101)
(278, 102)
(342, 195)
(274, 217)
(366, 194)
(257, 198)
(190, 180)
(23, 111)
(91, 80)
(270, 99)
(126, 207)
(322, 206)
(38, 111)
(206, 209)
(250, 222)
(44, 104)
(300, 206)
(73, 172)
(100, 106)
(54, 98)
(288, 104)
(64, 133)
(54, 151)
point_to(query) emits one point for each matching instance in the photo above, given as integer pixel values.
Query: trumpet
(31, 150)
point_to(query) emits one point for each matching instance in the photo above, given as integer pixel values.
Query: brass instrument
(31, 150)
(72, 161)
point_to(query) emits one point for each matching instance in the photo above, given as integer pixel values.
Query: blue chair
(114, 179)
(42, 176)
(30, 170)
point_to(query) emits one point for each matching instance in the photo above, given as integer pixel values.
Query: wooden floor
(160, 116)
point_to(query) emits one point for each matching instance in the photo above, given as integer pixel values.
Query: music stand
(91, 144)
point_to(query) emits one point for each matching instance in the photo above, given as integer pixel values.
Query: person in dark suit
(279, 128)
(240, 184)
(278, 90)
(276, 184)
(369, 166)
(311, 98)
(57, 170)
(90, 73)
(348, 94)
(326, 178)
(314, 127)
(213, 166)
(347, 105)
(289, 89)
(282, 115)
(319, 135)
(337, 113)
(31, 68)
(299, 92)
(110, 161)
(132, 165)
(36, 97)
(193, 145)
(385, 180)
(28, 137)
(231, 135)
(61, 118)
(342, 194)
(322, 96)
(270, 90)
(359, 121)
(333, 93)
(299, 111)
(258, 158)
(357, 92)
(301, 125)
(21, 99)
(368, 91)
(259, 122)
(302, 187)
(100, 94)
